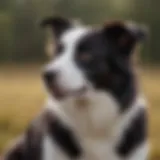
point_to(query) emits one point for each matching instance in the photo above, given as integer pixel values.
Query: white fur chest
(93, 123)
(95, 117)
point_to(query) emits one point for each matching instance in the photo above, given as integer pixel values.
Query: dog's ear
(124, 35)
(58, 24)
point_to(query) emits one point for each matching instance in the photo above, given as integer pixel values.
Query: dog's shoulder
(32, 145)
(134, 132)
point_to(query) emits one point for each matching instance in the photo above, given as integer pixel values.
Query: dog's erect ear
(124, 35)
(58, 24)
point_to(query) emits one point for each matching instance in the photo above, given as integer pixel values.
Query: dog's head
(90, 58)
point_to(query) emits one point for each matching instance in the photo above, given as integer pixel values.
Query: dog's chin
(61, 94)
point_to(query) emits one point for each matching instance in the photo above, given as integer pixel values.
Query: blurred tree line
(22, 39)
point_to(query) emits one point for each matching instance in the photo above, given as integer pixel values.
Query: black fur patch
(58, 24)
(15, 153)
(134, 135)
(64, 137)
(27, 148)
(33, 144)
(108, 69)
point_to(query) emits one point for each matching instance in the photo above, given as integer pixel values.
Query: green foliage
(6, 36)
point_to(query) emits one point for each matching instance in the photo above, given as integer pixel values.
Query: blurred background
(22, 56)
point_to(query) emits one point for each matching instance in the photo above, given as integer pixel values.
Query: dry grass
(21, 97)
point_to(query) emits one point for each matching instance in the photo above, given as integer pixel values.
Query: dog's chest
(93, 149)
(94, 116)
(98, 149)
(93, 121)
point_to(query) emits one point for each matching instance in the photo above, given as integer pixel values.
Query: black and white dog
(95, 109)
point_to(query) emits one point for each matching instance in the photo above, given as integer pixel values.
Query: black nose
(49, 76)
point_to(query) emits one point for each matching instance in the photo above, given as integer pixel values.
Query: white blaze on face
(69, 76)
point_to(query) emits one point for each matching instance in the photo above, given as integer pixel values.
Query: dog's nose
(49, 76)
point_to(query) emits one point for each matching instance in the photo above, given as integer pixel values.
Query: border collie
(95, 109)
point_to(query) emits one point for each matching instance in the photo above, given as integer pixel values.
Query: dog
(95, 108)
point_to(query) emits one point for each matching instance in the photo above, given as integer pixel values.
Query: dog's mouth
(60, 93)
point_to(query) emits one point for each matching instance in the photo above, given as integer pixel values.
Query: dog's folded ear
(124, 34)
(58, 24)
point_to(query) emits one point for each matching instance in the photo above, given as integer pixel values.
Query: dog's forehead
(73, 35)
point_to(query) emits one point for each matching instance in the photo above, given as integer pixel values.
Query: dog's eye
(85, 57)
(60, 48)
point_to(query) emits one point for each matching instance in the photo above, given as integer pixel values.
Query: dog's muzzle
(51, 83)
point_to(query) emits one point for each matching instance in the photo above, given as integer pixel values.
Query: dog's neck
(92, 116)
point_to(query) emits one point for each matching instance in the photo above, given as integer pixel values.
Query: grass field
(21, 97)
